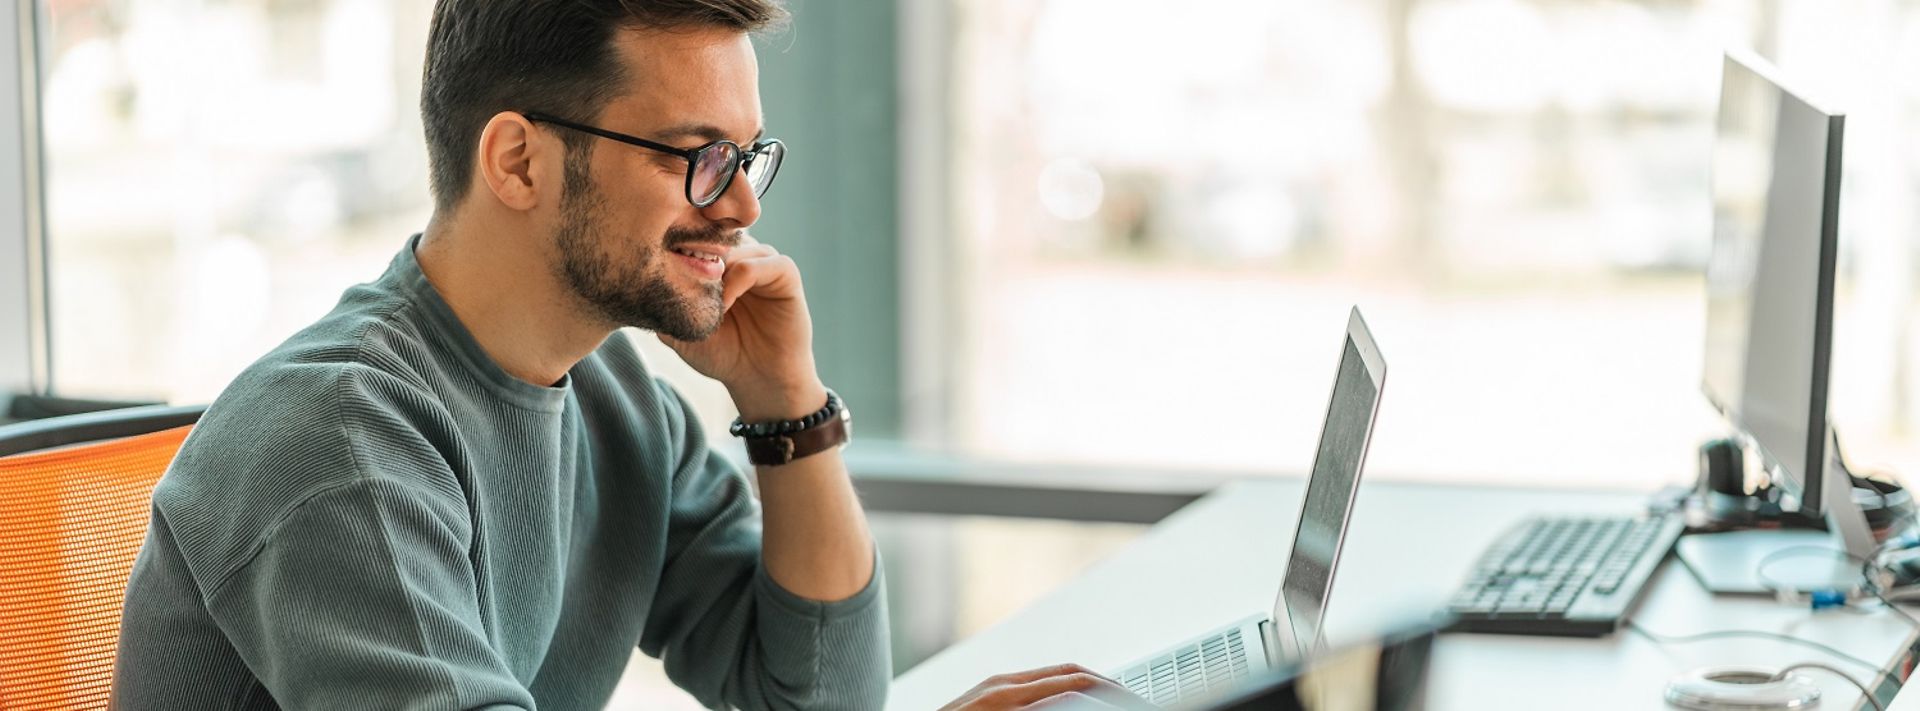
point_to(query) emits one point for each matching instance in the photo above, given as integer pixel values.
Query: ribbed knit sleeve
(731, 635)
(363, 598)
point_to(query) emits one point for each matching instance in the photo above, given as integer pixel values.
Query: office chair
(75, 497)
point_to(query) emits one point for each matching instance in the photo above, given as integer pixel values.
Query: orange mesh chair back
(71, 521)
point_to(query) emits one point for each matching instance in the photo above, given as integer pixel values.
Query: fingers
(1087, 683)
(745, 251)
(747, 267)
(1042, 689)
(1023, 677)
(1057, 683)
(1061, 685)
(1069, 700)
(774, 276)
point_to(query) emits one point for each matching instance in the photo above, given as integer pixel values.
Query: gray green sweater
(376, 516)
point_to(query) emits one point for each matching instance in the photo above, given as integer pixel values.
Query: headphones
(1722, 491)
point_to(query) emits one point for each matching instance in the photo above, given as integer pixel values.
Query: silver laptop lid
(1298, 610)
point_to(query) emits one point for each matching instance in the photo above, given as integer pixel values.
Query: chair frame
(36, 435)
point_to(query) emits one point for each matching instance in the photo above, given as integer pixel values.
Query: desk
(1908, 700)
(1409, 545)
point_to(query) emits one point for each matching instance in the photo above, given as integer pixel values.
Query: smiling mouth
(702, 256)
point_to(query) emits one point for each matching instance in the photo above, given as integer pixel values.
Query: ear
(517, 162)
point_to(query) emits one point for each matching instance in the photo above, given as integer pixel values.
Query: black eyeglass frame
(691, 155)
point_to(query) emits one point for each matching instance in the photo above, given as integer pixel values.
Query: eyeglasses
(710, 168)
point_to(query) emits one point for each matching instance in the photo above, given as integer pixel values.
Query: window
(1166, 209)
(1130, 229)
(217, 174)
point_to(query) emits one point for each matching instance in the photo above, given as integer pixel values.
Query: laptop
(1383, 673)
(1226, 657)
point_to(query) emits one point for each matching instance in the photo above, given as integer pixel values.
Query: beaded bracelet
(782, 427)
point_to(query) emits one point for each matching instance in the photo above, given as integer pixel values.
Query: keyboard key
(1530, 578)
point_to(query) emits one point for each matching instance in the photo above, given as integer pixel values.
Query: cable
(1895, 608)
(1864, 692)
(1658, 638)
(1880, 675)
(1903, 593)
(1869, 583)
(1786, 593)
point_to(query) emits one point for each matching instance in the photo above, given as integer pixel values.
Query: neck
(498, 283)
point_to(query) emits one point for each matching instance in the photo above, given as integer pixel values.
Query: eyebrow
(700, 130)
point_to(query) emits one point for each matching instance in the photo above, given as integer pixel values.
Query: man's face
(629, 245)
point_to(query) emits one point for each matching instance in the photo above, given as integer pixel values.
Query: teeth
(697, 255)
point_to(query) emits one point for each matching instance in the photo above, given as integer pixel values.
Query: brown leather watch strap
(775, 450)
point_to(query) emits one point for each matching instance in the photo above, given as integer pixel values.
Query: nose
(737, 205)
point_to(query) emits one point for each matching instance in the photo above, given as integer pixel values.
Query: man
(460, 489)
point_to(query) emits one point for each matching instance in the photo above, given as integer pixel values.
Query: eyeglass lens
(717, 163)
(712, 171)
(765, 162)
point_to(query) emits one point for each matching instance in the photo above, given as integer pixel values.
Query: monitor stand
(1778, 561)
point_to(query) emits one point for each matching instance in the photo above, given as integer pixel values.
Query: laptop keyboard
(1212, 664)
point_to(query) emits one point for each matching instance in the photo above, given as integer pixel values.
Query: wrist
(775, 403)
(774, 443)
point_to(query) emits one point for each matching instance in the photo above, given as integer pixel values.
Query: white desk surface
(1908, 700)
(1408, 547)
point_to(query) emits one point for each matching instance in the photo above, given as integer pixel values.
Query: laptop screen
(1330, 491)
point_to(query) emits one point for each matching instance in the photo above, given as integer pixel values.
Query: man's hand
(763, 351)
(1066, 685)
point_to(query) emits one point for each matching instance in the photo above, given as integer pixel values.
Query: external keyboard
(1563, 575)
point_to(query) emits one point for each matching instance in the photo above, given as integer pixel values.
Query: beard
(634, 290)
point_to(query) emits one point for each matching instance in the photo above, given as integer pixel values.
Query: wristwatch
(771, 444)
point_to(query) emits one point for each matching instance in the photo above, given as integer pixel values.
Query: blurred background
(1065, 235)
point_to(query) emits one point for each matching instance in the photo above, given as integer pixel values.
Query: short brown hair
(488, 56)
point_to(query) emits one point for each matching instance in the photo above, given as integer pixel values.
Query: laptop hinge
(1270, 634)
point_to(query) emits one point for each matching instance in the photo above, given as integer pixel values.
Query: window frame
(24, 354)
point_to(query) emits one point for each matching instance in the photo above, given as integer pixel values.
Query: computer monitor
(1770, 278)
